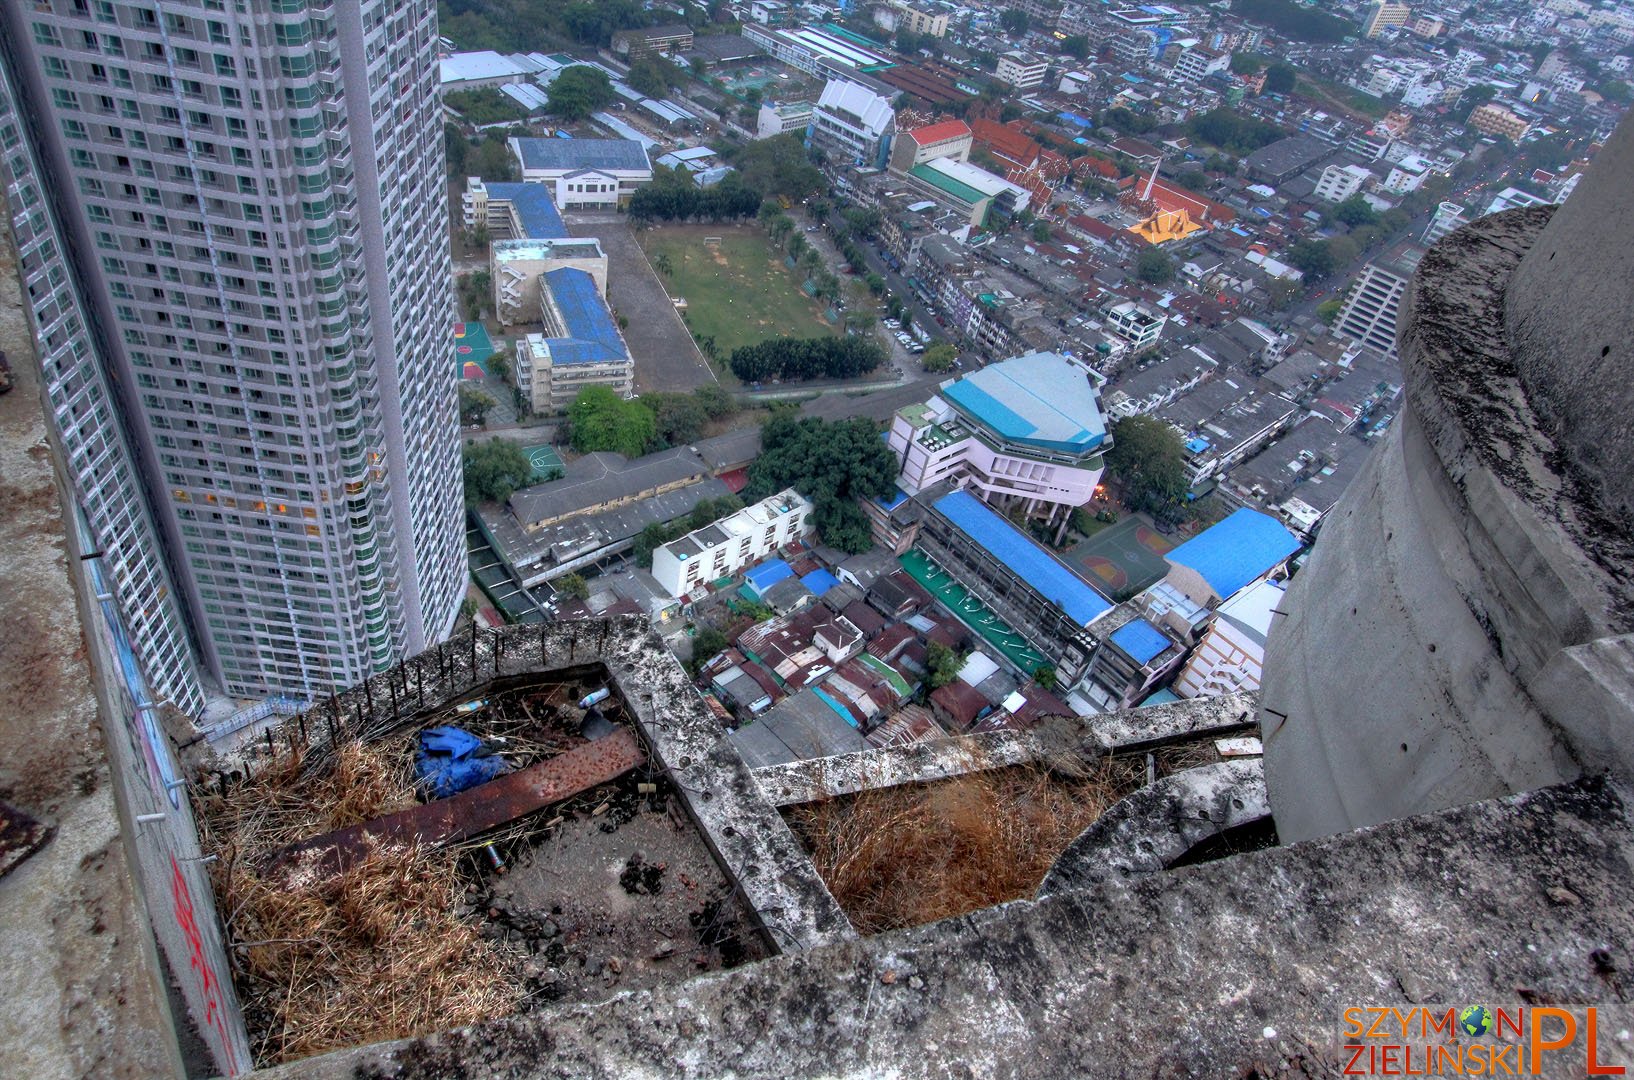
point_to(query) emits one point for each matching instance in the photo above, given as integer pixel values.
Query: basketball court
(472, 348)
(543, 459)
(1122, 559)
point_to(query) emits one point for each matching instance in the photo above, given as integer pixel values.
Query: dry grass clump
(325, 960)
(902, 856)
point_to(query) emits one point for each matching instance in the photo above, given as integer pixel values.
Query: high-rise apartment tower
(233, 237)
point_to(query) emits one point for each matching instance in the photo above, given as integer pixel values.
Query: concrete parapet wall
(1233, 968)
(1077, 738)
(1457, 633)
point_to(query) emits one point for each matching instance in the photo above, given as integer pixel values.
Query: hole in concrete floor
(609, 890)
(1238, 840)
(912, 854)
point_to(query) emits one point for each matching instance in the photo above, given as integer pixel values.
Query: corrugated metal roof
(533, 205)
(570, 154)
(1045, 574)
(1232, 553)
(592, 337)
(1040, 399)
(1141, 640)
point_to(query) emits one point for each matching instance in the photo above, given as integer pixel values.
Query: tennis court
(543, 459)
(1122, 559)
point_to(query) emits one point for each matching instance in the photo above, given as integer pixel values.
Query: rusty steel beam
(485, 807)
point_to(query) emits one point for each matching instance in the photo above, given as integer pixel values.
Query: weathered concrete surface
(1154, 827)
(1177, 721)
(1426, 659)
(1570, 315)
(1070, 737)
(77, 970)
(1206, 971)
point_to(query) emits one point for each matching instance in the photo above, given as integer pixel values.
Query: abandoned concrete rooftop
(1442, 815)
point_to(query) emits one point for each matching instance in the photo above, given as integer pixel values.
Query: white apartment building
(1021, 70)
(1340, 182)
(1199, 63)
(1408, 175)
(1136, 323)
(853, 125)
(726, 546)
(1231, 657)
(1448, 216)
(775, 120)
(234, 236)
(1370, 309)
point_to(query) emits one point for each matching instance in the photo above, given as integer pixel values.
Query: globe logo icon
(1475, 1020)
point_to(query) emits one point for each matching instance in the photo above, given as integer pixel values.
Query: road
(898, 285)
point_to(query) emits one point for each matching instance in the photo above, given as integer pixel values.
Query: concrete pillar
(1462, 628)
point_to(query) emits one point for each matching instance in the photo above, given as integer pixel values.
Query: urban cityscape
(847, 538)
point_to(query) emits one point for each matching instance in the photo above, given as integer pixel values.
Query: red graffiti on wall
(215, 1014)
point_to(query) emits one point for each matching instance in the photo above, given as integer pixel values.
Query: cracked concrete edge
(1150, 829)
(1130, 730)
(79, 970)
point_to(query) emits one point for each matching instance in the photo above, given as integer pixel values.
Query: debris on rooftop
(357, 913)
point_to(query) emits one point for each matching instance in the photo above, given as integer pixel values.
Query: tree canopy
(577, 92)
(942, 665)
(673, 197)
(474, 405)
(1149, 461)
(939, 357)
(1294, 20)
(601, 420)
(1280, 78)
(778, 166)
(807, 358)
(485, 105)
(1014, 21)
(653, 75)
(1232, 132)
(1313, 258)
(1355, 211)
(1154, 266)
(831, 463)
(493, 469)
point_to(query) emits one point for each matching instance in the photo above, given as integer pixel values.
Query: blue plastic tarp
(451, 760)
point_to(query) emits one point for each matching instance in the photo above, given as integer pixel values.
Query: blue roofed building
(1008, 585)
(596, 173)
(1027, 432)
(1230, 555)
(1129, 662)
(510, 211)
(581, 344)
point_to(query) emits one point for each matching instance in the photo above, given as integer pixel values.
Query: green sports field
(739, 291)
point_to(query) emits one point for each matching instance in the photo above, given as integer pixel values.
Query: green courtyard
(738, 291)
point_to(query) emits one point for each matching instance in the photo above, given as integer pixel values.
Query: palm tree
(662, 264)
